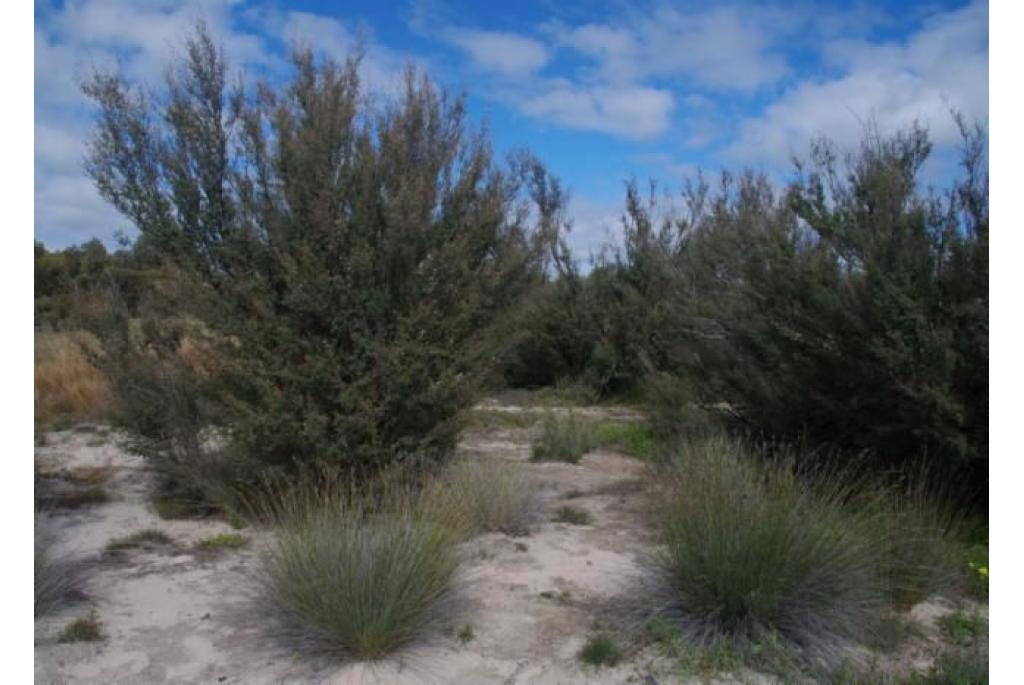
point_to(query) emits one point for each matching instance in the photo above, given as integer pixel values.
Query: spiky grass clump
(919, 538)
(492, 497)
(753, 551)
(358, 576)
(563, 438)
(56, 578)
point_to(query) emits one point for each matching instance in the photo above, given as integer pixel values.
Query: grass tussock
(488, 497)
(358, 575)
(563, 438)
(920, 540)
(754, 550)
(571, 515)
(84, 629)
(600, 650)
(68, 386)
(56, 579)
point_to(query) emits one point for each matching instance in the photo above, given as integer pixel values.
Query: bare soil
(177, 614)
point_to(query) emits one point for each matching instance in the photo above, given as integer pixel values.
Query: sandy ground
(182, 615)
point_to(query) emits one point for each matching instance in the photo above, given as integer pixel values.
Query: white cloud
(500, 51)
(140, 38)
(944, 65)
(724, 48)
(634, 112)
(595, 225)
(69, 210)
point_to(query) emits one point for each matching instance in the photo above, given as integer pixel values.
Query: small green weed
(600, 650)
(223, 541)
(465, 634)
(963, 629)
(633, 438)
(661, 631)
(706, 661)
(571, 515)
(84, 629)
(977, 571)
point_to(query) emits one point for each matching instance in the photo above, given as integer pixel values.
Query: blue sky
(602, 91)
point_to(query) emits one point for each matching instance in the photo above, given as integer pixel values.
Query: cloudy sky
(602, 91)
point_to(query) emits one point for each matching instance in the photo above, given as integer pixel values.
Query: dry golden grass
(68, 386)
(198, 355)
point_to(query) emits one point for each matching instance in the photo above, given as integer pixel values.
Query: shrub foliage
(847, 308)
(353, 260)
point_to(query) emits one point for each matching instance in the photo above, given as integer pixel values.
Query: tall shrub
(354, 260)
(849, 309)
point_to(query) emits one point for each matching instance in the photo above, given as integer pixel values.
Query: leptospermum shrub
(354, 258)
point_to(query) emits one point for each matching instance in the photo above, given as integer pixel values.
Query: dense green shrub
(602, 330)
(354, 262)
(849, 310)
